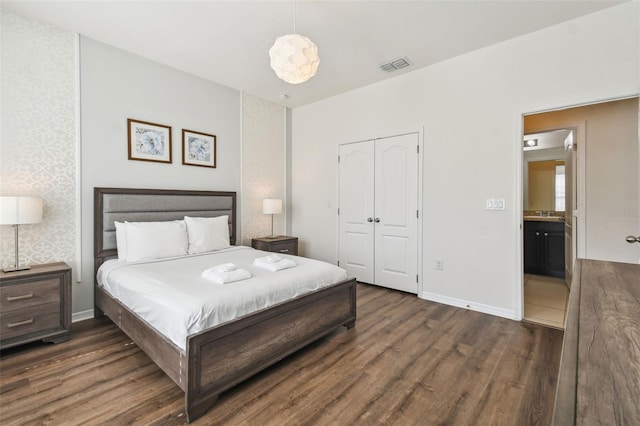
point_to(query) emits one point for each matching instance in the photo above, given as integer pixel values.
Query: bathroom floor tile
(545, 289)
(545, 300)
(544, 315)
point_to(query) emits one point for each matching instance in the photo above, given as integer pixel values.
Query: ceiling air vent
(395, 64)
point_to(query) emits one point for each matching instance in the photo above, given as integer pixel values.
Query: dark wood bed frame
(223, 356)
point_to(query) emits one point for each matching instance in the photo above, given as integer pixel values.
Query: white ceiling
(228, 41)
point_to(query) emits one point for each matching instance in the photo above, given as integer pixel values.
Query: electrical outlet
(439, 264)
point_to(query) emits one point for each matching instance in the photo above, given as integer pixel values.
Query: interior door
(356, 201)
(396, 208)
(571, 179)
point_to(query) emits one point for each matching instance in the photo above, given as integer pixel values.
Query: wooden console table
(599, 380)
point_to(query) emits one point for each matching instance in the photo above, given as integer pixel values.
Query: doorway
(549, 199)
(603, 177)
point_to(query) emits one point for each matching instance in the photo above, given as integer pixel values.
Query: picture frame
(198, 149)
(149, 141)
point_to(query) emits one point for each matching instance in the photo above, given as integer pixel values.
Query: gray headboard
(146, 205)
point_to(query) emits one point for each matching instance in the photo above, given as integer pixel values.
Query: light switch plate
(496, 204)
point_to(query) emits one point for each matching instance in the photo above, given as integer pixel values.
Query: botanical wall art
(149, 141)
(198, 149)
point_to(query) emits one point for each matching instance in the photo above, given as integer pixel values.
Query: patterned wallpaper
(38, 148)
(263, 165)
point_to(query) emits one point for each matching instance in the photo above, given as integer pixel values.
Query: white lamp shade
(271, 206)
(20, 210)
(294, 58)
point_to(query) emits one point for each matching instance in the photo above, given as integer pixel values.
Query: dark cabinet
(544, 248)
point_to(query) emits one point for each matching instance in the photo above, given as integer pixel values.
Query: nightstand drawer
(29, 320)
(279, 244)
(29, 294)
(286, 247)
(35, 304)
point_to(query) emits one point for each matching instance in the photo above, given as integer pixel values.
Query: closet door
(356, 226)
(396, 208)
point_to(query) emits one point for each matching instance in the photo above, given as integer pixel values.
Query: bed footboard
(226, 355)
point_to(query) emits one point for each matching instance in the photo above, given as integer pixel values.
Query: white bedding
(173, 297)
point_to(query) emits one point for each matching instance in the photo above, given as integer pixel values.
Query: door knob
(377, 220)
(631, 239)
(369, 219)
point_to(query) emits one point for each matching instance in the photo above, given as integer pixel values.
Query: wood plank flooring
(407, 362)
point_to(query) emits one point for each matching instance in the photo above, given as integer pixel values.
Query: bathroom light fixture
(272, 206)
(294, 57)
(531, 142)
(16, 211)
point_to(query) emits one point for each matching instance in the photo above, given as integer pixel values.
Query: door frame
(518, 275)
(420, 132)
(580, 221)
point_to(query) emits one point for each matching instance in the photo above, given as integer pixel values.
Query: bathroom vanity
(544, 246)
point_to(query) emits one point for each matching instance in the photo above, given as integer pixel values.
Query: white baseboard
(81, 316)
(473, 306)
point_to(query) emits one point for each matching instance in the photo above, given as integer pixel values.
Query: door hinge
(338, 211)
(417, 278)
(417, 214)
(338, 158)
(338, 263)
(417, 149)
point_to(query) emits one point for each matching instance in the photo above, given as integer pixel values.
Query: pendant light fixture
(294, 57)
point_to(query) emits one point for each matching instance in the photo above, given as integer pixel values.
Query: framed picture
(149, 141)
(198, 149)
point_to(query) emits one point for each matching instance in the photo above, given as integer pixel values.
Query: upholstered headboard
(146, 205)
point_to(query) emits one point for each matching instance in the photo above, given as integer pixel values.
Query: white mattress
(171, 295)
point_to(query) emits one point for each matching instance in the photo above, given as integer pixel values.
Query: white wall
(263, 165)
(38, 148)
(471, 108)
(116, 85)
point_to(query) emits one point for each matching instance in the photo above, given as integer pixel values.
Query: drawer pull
(24, 296)
(19, 323)
(284, 251)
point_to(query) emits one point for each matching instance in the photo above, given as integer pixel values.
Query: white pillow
(121, 240)
(155, 240)
(207, 233)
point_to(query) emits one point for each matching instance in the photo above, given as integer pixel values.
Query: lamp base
(16, 268)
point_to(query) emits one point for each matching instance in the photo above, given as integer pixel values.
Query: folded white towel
(274, 266)
(224, 277)
(225, 267)
(272, 258)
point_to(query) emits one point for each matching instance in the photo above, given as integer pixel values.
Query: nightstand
(279, 244)
(35, 305)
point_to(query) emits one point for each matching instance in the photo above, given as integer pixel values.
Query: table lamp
(16, 211)
(272, 206)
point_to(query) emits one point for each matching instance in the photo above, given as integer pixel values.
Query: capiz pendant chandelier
(294, 57)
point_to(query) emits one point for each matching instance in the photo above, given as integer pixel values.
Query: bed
(215, 359)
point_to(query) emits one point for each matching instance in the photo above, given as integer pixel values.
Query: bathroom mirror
(545, 186)
(544, 171)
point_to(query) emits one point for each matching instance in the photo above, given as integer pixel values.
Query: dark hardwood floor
(407, 362)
